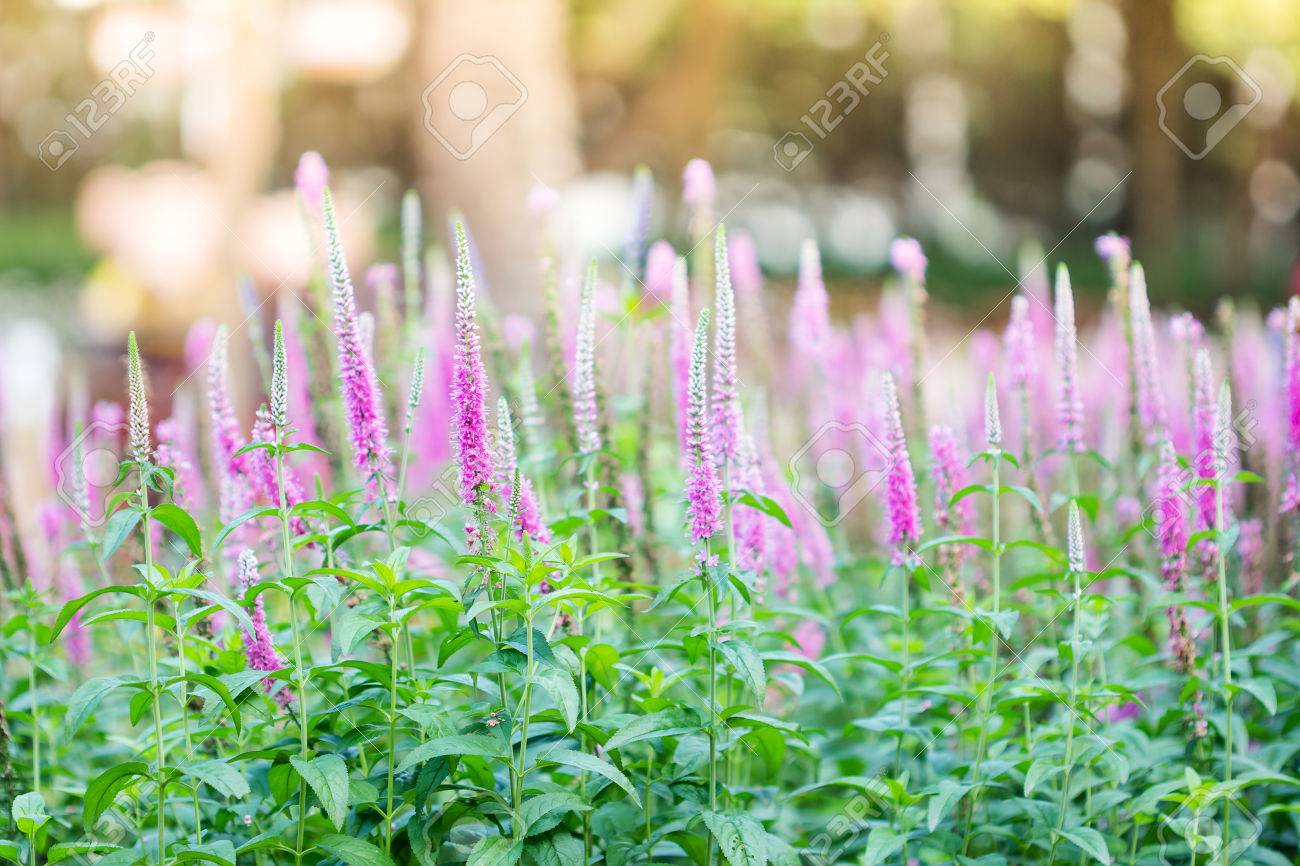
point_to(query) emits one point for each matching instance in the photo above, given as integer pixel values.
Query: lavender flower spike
(1151, 410)
(469, 387)
(810, 323)
(259, 648)
(900, 486)
(1019, 342)
(360, 387)
(1069, 406)
(703, 501)
(726, 401)
(139, 409)
(907, 259)
(586, 414)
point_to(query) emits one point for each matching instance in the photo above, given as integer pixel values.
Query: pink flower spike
(900, 486)
(679, 351)
(311, 178)
(726, 400)
(907, 259)
(469, 388)
(359, 384)
(1069, 405)
(259, 647)
(704, 503)
(660, 263)
(1151, 410)
(698, 186)
(810, 322)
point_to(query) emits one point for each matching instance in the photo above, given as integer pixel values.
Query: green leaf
(1089, 841)
(353, 851)
(101, 792)
(64, 850)
(541, 813)
(670, 722)
(1040, 769)
(743, 840)
(70, 609)
(767, 505)
(457, 745)
(559, 685)
(221, 852)
(592, 764)
(806, 663)
(229, 605)
(948, 795)
(116, 531)
(85, 699)
(350, 629)
(495, 851)
(328, 777)
(882, 842)
(220, 776)
(555, 849)
(29, 812)
(1262, 690)
(748, 665)
(252, 513)
(10, 851)
(178, 520)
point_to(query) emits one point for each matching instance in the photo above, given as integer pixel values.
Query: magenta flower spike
(1204, 447)
(726, 399)
(1172, 534)
(703, 500)
(750, 523)
(1291, 493)
(900, 485)
(1151, 409)
(469, 388)
(528, 519)
(949, 476)
(660, 263)
(586, 411)
(810, 322)
(679, 351)
(261, 467)
(1069, 405)
(360, 387)
(259, 648)
(1019, 344)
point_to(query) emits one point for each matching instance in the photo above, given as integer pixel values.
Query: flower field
(680, 572)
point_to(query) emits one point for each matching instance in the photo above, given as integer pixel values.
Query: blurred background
(147, 149)
(137, 195)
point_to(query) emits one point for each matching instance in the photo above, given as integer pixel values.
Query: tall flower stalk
(279, 418)
(993, 442)
(138, 415)
(1069, 402)
(360, 387)
(1224, 439)
(1077, 567)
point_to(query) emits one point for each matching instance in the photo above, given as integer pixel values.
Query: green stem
(303, 717)
(185, 717)
(527, 708)
(36, 709)
(152, 641)
(986, 697)
(392, 731)
(1225, 638)
(1073, 709)
(713, 695)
